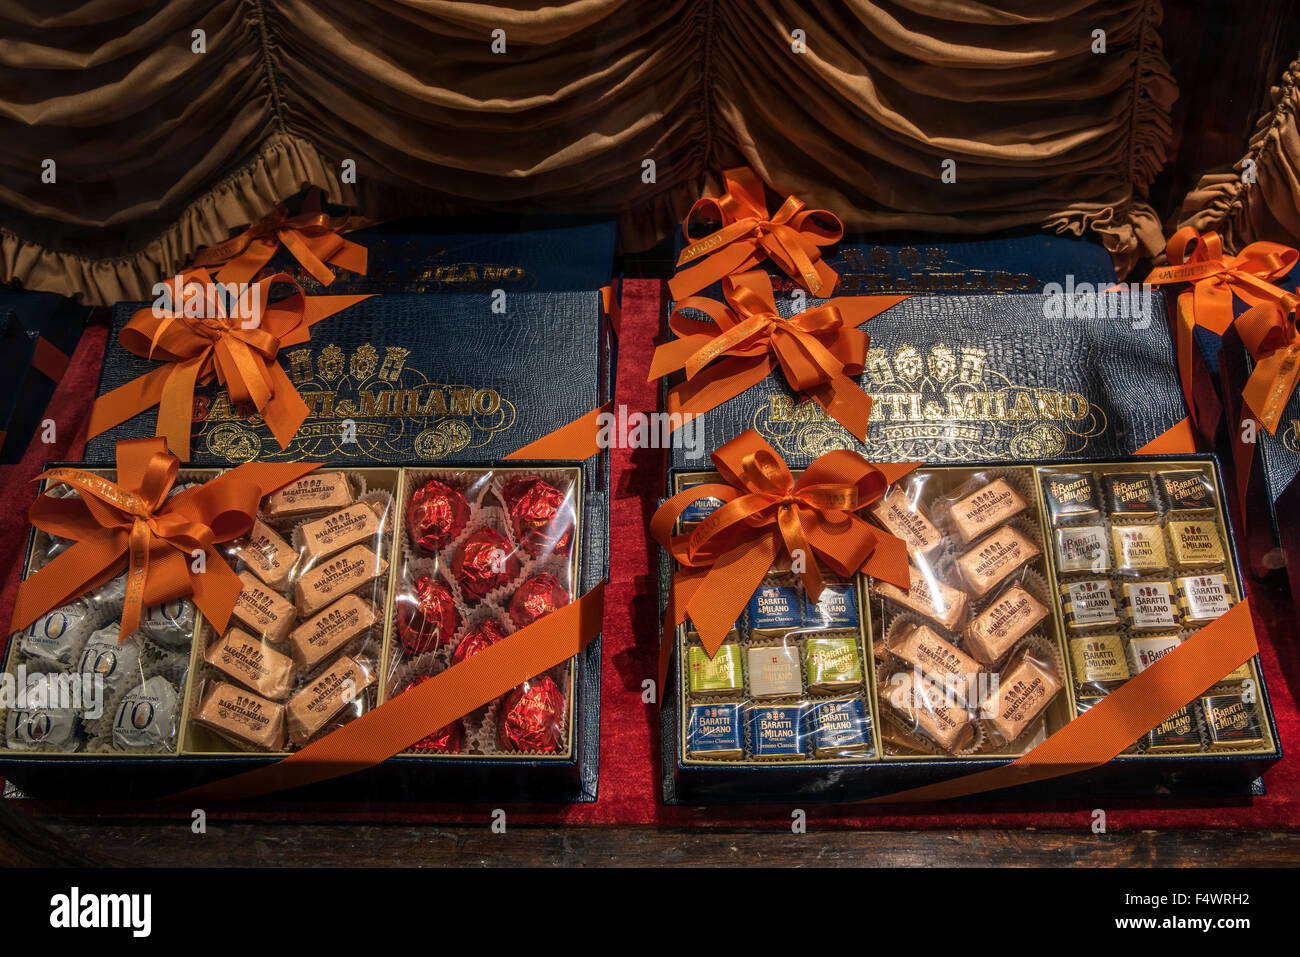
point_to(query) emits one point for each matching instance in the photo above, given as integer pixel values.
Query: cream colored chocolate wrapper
(269, 556)
(898, 516)
(336, 577)
(252, 662)
(938, 659)
(311, 708)
(354, 525)
(263, 611)
(242, 716)
(317, 638)
(925, 705)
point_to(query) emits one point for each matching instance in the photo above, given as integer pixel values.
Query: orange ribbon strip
(1121, 718)
(132, 524)
(1268, 331)
(1178, 439)
(818, 350)
(312, 236)
(200, 342)
(1215, 279)
(423, 710)
(766, 512)
(747, 235)
(49, 359)
(578, 440)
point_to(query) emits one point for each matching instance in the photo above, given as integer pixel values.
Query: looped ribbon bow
(167, 545)
(201, 342)
(767, 512)
(312, 236)
(747, 235)
(1268, 331)
(818, 349)
(1214, 278)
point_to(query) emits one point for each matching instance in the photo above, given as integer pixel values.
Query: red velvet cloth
(629, 745)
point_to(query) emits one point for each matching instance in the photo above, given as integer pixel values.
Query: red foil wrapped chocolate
(530, 717)
(486, 634)
(485, 561)
(437, 514)
(444, 741)
(538, 596)
(540, 516)
(426, 616)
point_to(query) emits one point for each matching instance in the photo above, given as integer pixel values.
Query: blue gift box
(435, 380)
(976, 378)
(27, 318)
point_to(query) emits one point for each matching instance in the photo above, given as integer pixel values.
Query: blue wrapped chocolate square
(837, 607)
(776, 731)
(774, 607)
(714, 731)
(838, 727)
(698, 510)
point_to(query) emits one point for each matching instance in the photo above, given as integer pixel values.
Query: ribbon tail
(216, 590)
(285, 411)
(244, 266)
(126, 401)
(304, 251)
(723, 592)
(574, 442)
(176, 405)
(727, 260)
(718, 384)
(845, 402)
(1270, 386)
(86, 565)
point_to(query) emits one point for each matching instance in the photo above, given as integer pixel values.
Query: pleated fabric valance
(164, 139)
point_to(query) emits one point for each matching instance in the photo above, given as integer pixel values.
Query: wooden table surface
(47, 839)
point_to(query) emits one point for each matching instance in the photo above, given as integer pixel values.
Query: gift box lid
(929, 263)
(978, 378)
(420, 256)
(404, 378)
(28, 321)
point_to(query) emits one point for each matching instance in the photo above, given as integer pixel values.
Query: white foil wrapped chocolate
(58, 637)
(146, 720)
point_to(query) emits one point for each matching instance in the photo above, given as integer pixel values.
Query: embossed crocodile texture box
(963, 379)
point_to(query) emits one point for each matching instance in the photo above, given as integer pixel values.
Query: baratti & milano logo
(77, 910)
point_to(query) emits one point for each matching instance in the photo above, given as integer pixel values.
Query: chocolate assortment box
(357, 584)
(1037, 590)
(350, 597)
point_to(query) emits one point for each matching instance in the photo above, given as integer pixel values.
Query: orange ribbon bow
(818, 349)
(166, 544)
(765, 512)
(200, 342)
(1268, 331)
(1215, 279)
(312, 236)
(792, 238)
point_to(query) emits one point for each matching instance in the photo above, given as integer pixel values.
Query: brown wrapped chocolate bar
(320, 636)
(996, 629)
(267, 554)
(242, 717)
(985, 508)
(263, 611)
(354, 525)
(1025, 690)
(929, 597)
(995, 557)
(252, 662)
(898, 516)
(939, 660)
(335, 688)
(929, 710)
(313, 493)
(336, 577)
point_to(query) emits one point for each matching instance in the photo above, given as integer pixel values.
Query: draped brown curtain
(1260, 197)
(159, 149)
